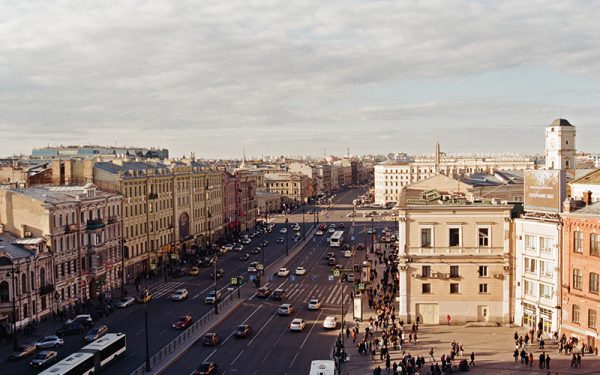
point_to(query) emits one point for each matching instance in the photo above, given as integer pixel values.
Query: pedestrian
(542, 360)
(547, 362)
(574, 361)
(449, 319)
(347, 332)
(515, 354)
(472, 359)
(431, 355)
(530, 359)
(578, 360)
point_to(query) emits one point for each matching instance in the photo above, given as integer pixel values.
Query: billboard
(545, 190)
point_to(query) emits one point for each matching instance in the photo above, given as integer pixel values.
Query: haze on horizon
(292, 78)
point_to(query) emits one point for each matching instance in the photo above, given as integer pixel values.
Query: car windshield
(204, 366)
(41, 355)
(94, 331)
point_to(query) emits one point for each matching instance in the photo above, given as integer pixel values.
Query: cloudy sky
(297, 77)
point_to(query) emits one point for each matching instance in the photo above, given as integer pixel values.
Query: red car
(183, 322)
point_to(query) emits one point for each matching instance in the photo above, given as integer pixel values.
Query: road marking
(263, 327)
(210, 355)
(129, 356)
(140, 331)
(236, 358)
(162, 332)
(294, 359)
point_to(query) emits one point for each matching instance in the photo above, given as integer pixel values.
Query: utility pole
(148, 367)
(287, 234)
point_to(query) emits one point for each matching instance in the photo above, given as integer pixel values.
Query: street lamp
(303, 223)
(286, 237)
(123, 248)
(148, 367)
(13, 274)
(372, 236)
(214, 260)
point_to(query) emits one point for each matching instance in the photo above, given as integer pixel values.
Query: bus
(91, 358)
(337, 238)
(322, 367)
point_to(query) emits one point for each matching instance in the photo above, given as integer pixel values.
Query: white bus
(91, 358)
(337, 238)
(322, 367)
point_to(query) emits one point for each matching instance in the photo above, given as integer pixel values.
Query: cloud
(277, 77)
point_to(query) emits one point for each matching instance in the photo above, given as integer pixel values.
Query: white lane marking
(210, 355)
(244, 322)
(140, 331)
(262, 328)
(294, 359)
(162, 332)
(236, 358)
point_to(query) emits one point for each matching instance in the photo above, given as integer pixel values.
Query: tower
(560, 145)
(437, 157)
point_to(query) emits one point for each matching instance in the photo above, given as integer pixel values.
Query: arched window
(4, 292)
(32, 280)
(42, 277)
(23, 283)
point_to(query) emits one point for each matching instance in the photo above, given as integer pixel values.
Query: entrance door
(428, 312)
(483, 313)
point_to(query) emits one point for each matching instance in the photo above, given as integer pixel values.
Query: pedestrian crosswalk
(329, 294)
(165, 289)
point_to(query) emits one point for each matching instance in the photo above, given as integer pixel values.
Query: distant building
(560, 145)
(91, 152)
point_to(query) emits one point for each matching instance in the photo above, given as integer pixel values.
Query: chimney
(587, 197)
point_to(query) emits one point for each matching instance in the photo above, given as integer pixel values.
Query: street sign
(234, 281)
(336, 273)
(230, 289)
(361, 286)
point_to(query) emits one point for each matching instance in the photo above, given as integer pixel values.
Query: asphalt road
(273, 348)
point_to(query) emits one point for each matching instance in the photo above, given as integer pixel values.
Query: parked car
(300, 271)
(314, 304)
(211, 339)
(125, 301)
(220, 273)
(183, 322)
(213, 297)
(145, 297)
(70, 329)
(330, 322)
(194, 271)
(180, 295)
(252, 267)
(280, 240)
(206, 368)
(263, 292)
(245, 257)
(297, 325)
(279, 294)
(283, 272)
(95, 333)
(264, 243)
(49, 342)
(24, 350)
(243, 330)
(256, 250)
(44, 358)
(285, 309)
(85, 319)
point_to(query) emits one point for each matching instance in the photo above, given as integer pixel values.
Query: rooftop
(494, 179)
(10, 245)
(590, 210)
(560, 122)
(592, 178)
(60, 194)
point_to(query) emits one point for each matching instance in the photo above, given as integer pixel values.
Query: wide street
(272, 345)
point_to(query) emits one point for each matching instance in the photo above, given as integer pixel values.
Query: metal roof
(14, 250)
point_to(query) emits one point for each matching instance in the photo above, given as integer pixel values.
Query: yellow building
(294, 187)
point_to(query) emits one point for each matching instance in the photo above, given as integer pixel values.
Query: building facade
(293, 187)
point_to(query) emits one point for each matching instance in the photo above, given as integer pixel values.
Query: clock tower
(560, 145)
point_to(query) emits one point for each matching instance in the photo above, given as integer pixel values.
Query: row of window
(58, 220)
(593, 281)
(592, 316)
(545, 244)
(454, 288)
(594, 243)
(535, 289)
(545, 268)
(455, 236)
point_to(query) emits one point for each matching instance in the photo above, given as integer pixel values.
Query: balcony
(46, 289)
(112, 220)
(95, 224)
(153, 196)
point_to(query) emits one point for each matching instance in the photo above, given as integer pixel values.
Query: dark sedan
(24, 350)
(220, 273)
(95, 333)
(263, 292)
(264, 243)
(211, 339)
(182, 322)
(44, 358)
(70, 329)
(256, 250)
(243, 330)
(207, 368)
(245, 257)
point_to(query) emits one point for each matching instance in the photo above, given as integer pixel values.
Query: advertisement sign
(357, 311)
(545, 190)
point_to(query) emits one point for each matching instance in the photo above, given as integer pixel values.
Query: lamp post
(210, 247)
(148, 367)
(372, 237)
(286, 237)
(303, 232)
(314, 212)
(121, 242)
(13, 274)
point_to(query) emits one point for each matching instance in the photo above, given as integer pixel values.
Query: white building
(560, 145)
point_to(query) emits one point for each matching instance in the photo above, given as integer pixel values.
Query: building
(93, 152)
(293, 187)
(587, 183)
(580, 272)
(560, 145)
(82, 228)
(17, 173)
(267, 203)
(455, 258)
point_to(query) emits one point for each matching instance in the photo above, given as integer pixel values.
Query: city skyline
(375, 77)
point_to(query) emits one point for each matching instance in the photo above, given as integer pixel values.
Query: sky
(298, 77)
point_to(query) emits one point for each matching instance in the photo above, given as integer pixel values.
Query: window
(483, 271)
(546, 244)
(529, 288)
(545, 291)
(530, 265)
(594, 280)
(426, 271)
(592, 318)
(454, 237)
(483, 288)
(454, 271)
(426, 237)
(426, 288)
(530, 242)
(577, 279)
(595, 244)
(546, 268)
(453, 288)
(578, 241)
(575, 314)
(484, 237)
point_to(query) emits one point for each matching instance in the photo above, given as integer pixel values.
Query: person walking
(472, 359)
(542, 360)
(578, 362)
(530, 359)
(547, 362)
(431, 358)
(449, 319)
(516, 355)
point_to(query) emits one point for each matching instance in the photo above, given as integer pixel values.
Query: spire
(437, 156)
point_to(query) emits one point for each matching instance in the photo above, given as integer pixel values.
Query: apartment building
(293, 187)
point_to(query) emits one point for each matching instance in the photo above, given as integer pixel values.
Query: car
(330, 322)
(285, 309)
(280, 240)
(49, 342)
(228, 247)
(263, 292)
(283, 230)
(182, 322)
(323, 227)
(332, 225)
(220, 273)
(264, 243)
(347, 254)
(319, 233)
(238, 247)
(350, 277)
(296, 237)
(360, 246)
(205, 262)
(206, 368)
(252, 267)
(252, 235)
(256, 250)
(314, 304)
(296, 228)
(125, 301)
(345, 247)
(211, 339)
(246, 241)
(180, 295)
(370, 231)
(297, 325)
(245, 257)
(338, 266)
(331, 230)
(331, 261)
(85, 319)
(329, 255)
(300, 271)
(95, 333)
(243, 330)
(279, 294)
(23, 350)
(100, 311)
(145, 297)
(177, 273)
(283, 272)
(44, 358)
(70, 329)
(212, 297)
(341, 226)
(194, 271)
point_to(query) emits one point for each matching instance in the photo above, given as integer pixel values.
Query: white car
(319, 233)
(330, 322)
(285, 309)
(252, 267)
(49, 342)
(331, 230)
(314, 304)
(347, 254)
(180, 295)
(297, 325)
(283, 230)
(283, 272)
(125, 301)
(300, 271)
